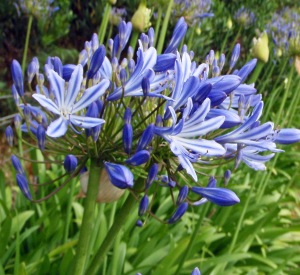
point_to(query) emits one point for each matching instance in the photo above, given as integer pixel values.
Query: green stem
(256, 72)
(88, 219)
(26, 43)
(192, 239)
(239, 225)
(294, 104)
(120, 220)
(164, 28)
(69, 211)
(104, 23)
(225, 41)
(134, 39)
(283, 100)
(191, 38)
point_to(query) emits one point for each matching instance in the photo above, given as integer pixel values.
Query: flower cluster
(192, 10)
(38, 8)
(150, 122)
(244, 17)
(285, 31)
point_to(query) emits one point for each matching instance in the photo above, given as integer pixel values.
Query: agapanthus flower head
(244, 17)
(150, 120)
(285, 31)
(37, 8)
(193, 10)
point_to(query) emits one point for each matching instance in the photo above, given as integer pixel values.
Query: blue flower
(217, 195)
(119, 175)
(183, 135)
(65, 105)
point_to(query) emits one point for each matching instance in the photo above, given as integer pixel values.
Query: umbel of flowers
(148, 119)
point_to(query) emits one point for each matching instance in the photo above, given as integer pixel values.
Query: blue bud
(70, 163)
(131, 66)
(235, 55)
(119, 175)
(196, 271)
(184, 49)
(211, 57)
(92, 110)
(139, 158)
(215, 71)
(41, 137)
(227, 176)
(287, 136)
(130, 53)
(96, 61)
(151, 36)
(182, 194)
(146, 137)
(212, 182)
(139, 223)
(96, 132)
(88, 46)
(171, 183)
(17, 121)
(17, 77)
(152, 175)
(32, 69)
(145, 41)
(146, 85)
(221, 61)
(178, 34)
(181, 209)
(27, 113)
(23, 185)
(95, 42)
(123, 76)
(67, 71)
(127, 115)
(127, 137)
(9, 135)
(217, 195)
(144, 203)
(41, 79)
(57, 65)
(83, 58)
(15, 94)
(110, 44)
(247, 69)
(17, 164)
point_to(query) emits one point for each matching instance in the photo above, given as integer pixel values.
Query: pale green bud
(260, 48)
(141, 18)
(229, 23)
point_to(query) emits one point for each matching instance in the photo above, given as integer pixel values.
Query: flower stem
(192, 239)
(103, 26)
(164, 28)
(119, 221)
(88, 219)
(26, 43)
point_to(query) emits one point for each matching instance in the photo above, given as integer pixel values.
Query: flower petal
(58, 87)
(47, 103)
(57, 128)
(74, 85)
(86, 122)
(90, 95)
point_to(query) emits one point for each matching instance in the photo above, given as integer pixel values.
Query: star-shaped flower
(65, 105)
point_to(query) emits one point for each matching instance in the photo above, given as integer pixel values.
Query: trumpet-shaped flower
(65, 105)
(184, 137)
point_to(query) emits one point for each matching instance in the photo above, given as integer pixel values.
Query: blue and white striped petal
(57, 128)
(85, 122)
(58, 86)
